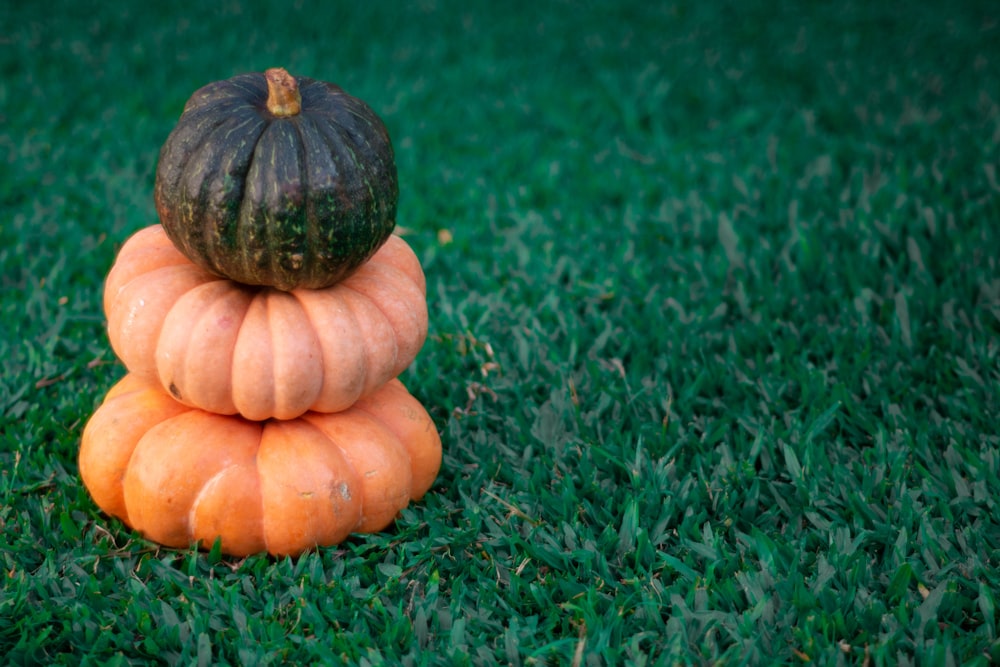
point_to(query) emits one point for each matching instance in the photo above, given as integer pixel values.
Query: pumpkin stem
(283, 97)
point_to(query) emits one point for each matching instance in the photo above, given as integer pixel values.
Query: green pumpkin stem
(283, 97)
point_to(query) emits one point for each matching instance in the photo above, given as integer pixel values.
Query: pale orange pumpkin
(181, 475)
(258, 351)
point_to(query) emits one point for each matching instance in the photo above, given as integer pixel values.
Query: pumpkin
(270, 179)
(181, 475)
(261, 352)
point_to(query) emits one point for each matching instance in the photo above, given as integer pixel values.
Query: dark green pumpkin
(270, 179)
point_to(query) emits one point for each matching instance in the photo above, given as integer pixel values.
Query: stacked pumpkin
(263, 325)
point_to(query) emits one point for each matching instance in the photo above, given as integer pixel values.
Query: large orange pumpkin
(181, 475)
(258, 351)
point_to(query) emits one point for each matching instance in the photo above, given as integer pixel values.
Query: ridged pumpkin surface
(180, 475)
(253, 191)
(262, 352)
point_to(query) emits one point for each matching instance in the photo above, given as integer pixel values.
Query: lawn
(714, 346)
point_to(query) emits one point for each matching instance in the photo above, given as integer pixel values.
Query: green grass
(714, 348)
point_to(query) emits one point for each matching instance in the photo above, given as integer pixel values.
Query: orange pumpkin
(181, 475)
(258, 351)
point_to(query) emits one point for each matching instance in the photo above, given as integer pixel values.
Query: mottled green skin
(298, 201)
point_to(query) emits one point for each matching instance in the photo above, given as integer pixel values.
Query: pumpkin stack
(263, 324)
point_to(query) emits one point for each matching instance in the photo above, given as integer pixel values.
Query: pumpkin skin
(287, 192)
(181, 476)
(261, 352)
